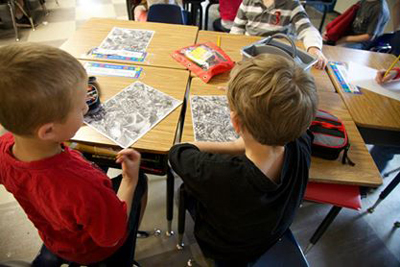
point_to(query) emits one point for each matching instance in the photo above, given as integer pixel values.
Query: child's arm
(354, 38)
(130, 160)
(311, 37)
(239, 24)
(234, 148)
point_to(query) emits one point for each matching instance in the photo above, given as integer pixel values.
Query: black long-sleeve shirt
(240, 211)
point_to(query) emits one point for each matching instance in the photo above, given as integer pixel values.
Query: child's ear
(46, 132)
(235, 122)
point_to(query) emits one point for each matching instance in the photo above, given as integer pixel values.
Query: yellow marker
(391, 66)
(219, 41)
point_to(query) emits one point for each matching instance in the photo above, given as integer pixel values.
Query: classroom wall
(342, 5)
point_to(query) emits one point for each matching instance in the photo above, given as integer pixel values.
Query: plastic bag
(205, 60)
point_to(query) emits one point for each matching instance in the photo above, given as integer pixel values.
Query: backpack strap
(345, 158)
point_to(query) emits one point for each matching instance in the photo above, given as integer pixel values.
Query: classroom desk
(232, 44)
(166, 39)
(376, 115)
(155, 144)
(363, 173)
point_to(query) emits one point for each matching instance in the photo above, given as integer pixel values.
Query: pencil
(219, 41)
(92, 149)
(391, 66)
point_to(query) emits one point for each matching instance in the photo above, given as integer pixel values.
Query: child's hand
(379, 76)
(321, 63)
(130, 160)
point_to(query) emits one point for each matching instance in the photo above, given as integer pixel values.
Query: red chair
(340, 196)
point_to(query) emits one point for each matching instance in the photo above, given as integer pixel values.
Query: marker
(219, 41)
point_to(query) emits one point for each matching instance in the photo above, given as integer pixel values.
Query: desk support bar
(170, 201)
(322, 227)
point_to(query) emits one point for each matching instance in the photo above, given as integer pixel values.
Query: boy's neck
(29, 149)
(269, 159)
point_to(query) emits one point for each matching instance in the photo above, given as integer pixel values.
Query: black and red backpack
(330, 137)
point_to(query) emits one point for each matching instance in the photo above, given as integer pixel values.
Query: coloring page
(131, 113)
(211, 119)
(125, 42)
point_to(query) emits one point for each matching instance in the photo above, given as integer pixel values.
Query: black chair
(165, 13)
(387, 43)
(7, 14)
(285, 252)
(195, 10)
(325, 4)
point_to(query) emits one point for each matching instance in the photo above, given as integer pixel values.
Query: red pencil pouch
(205, 60)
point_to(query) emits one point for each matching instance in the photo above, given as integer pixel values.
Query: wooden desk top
(159, 139)
(166, 39)
(326, 171)
(232, 45)
(368, 109)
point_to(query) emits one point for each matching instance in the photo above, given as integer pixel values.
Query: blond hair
(36, 86)
(274, 98)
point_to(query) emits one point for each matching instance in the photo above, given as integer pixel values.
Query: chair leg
(181, 217)
(25, 14)
(388, 189)
(129, 9)
(170, 201)
(12, 10)
(322, 227)
(201, 16)
(323, 18)
(392, 171)
(43, 4)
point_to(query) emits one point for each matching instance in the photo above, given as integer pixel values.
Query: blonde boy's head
(36, 86)
(274, 99)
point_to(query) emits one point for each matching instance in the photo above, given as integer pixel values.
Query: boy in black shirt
(247, 191)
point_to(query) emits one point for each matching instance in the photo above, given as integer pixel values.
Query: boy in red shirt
(70, 201)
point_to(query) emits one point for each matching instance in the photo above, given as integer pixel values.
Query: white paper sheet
(364, 77)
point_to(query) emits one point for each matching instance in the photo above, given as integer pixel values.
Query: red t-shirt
(70, 202)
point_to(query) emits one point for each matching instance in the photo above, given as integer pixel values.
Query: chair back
(165, 13)
(387, 43)
(285, 252)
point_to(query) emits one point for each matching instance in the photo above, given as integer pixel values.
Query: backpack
(341, 25)
(330, 137)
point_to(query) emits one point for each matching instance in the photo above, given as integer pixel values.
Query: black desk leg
(389, 188)
(181, 217)
(322, 227)
(170, 201)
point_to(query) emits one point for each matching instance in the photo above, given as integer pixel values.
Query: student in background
(370, 22)
(227, 10)
(71, 202)
(246, 192)
(267, 17)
